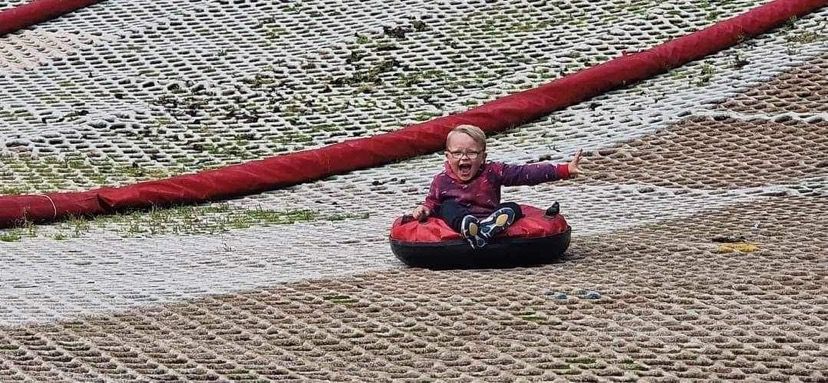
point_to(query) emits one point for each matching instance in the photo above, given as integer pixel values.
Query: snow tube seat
(541, 236)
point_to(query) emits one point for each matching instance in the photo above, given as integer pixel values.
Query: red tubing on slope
(37, 11)
(414, 140)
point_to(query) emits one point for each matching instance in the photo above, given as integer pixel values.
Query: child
(466, 194)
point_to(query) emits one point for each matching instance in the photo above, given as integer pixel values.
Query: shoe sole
(502, 220)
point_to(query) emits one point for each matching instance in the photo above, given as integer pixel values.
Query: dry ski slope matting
(699, 235)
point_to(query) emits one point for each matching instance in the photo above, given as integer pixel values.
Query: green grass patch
(417, 77)
(805, 37)
(25, 230)
(369, 75)
(50, 173)
(705, 74)
(363, 39)
(12, 235)
(13, 190)
(193, 220)
(178, 220)
(273, 32)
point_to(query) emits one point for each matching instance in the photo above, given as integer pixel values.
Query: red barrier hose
(37, 11)
(414, 140)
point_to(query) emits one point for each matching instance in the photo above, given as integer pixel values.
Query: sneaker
(470, 230)
(496, 223)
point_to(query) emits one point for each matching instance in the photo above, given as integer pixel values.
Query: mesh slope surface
(699, 249)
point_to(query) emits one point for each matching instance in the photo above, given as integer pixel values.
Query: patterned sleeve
(533, 174)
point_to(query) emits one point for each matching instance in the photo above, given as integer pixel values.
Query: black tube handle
(554, 209)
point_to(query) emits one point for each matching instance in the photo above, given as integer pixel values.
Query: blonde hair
(472, 131)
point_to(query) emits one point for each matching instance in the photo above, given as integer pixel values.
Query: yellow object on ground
(742, 247)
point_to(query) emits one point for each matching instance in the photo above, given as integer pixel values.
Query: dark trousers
(453, 212)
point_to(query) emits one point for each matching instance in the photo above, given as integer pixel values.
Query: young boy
(466, 194)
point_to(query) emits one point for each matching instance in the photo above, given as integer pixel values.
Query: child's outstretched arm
(575, 164)
(533, 174)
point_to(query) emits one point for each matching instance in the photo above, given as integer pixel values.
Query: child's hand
(420, 212)
(574, 165)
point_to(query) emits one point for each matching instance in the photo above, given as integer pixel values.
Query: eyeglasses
(472, 155)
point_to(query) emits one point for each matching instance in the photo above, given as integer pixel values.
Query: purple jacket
(482, 193)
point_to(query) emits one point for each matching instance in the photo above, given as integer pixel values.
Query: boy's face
(464, 155)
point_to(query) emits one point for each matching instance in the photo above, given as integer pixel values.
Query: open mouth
(465, 169)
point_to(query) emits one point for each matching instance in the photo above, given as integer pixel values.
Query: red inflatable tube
(37, 11)
(540, 236)
(536, 223)
(414, 140)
